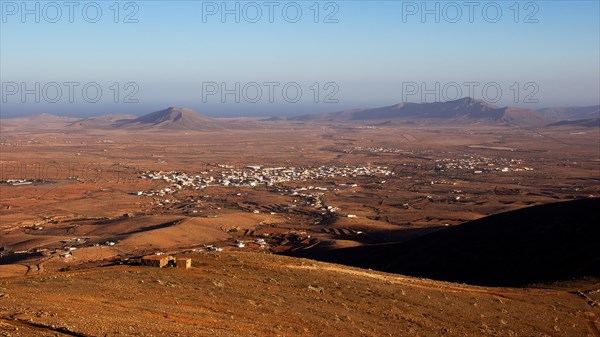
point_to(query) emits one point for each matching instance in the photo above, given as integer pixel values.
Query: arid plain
(79, 197)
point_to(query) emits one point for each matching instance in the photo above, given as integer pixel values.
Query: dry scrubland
(415, 200)
(87, 193)
(249, 294)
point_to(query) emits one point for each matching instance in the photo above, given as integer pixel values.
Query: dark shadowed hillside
(545, 243)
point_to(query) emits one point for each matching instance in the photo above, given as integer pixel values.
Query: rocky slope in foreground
(248, 294)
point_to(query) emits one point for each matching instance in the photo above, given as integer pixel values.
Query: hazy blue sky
(377, 53)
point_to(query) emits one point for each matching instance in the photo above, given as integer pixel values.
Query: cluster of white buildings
(178, 180)
(373, 150)
(17, 182)
(251, 176)
(257, 175)
(479, 165)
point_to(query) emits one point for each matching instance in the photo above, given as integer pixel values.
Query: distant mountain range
(463, 111)
(172, 118)
(106, 121)
(572, 113)
(588, 123)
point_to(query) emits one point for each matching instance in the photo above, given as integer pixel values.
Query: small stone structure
(182, 262)
(159, 261)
